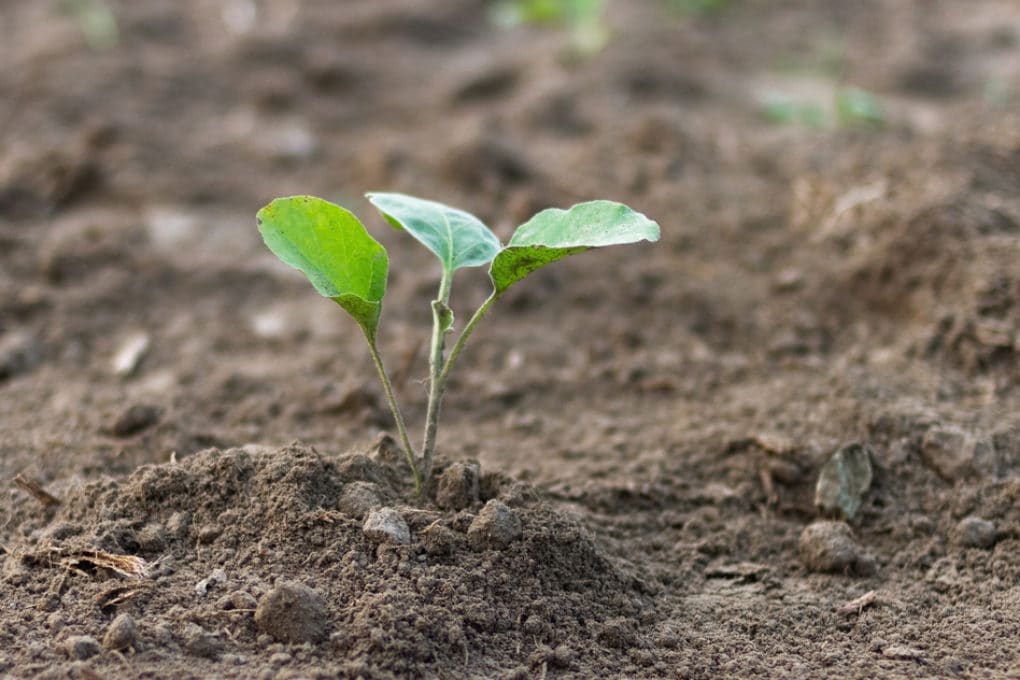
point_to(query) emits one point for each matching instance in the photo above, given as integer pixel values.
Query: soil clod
(292, 612)
(457, 486)
(495, 527)
(830, 547)
(134, 419)
(81, 647)
(386, 525)
(359, 498)
(975, 532)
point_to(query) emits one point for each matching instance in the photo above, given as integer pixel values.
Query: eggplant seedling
(344, 263)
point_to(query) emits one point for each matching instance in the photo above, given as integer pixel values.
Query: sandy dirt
(630, 446)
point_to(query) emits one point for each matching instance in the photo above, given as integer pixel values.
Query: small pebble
(216, 578)
(386, 525)
(121, 634)
(457, 487)
(844, 480)
(81, 647)
(129, 355)
(974, 532)
(830, 547)
(134, 419)
(495, 526)
(292, 612)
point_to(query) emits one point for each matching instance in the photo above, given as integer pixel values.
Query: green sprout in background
(344, 263)
(697, 6)
(851, 107)
(95, 20)
(583, 19)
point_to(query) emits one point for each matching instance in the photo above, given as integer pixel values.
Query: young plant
(344, 263)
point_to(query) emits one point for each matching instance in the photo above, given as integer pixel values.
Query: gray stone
(81, 647)
(122, 634)
(843, 481)
(457, 487)
(496, 526)
(386, 525)
(292, 612)
(975, 532)
(830, 547)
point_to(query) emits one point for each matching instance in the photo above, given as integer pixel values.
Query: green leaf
(458, 238)
(333, 250)
(554, 234)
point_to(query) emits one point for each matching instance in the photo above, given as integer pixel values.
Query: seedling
(344, 263)
(582, 18)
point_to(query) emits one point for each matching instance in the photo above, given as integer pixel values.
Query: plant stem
(464, 335)
(397, 417)
(441, 322)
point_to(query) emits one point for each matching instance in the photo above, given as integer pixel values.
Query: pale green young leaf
(332, 248)
(554, 234)
(457, 238)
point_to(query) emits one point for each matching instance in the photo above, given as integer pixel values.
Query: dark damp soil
(208, 486)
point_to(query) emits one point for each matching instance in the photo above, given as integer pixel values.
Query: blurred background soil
(837, 186)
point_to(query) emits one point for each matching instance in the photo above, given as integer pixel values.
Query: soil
(207, 482)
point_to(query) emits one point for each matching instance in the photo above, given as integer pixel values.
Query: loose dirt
(207, 486)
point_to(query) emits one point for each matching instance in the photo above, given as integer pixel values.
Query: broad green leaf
(458, 238)
(331, 247)
(554, 234)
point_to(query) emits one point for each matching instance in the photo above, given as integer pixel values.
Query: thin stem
(397, 417)
(441, 320)
(464, 335)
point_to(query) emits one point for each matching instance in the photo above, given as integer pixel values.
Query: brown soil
(649, 421)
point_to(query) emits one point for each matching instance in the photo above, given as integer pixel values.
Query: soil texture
(781, 442)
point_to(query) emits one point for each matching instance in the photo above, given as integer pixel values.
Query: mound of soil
(222, 530)
(650, 423)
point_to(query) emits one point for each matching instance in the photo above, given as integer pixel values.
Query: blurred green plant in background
(850, 107)
(95, 20)
(584, 19)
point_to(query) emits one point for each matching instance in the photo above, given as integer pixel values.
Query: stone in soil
(830, 547)
(495, 527)
(975, 532)
(385, 525)
(121, 634)
(292, 612)
(844, 480)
